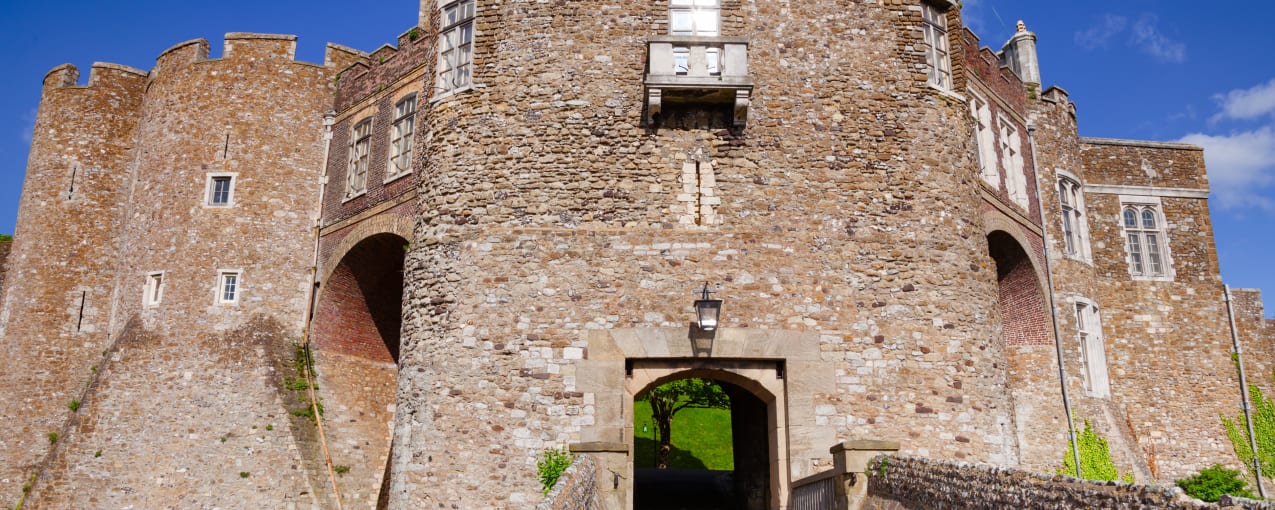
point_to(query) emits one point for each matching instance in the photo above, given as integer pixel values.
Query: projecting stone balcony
(697, 70)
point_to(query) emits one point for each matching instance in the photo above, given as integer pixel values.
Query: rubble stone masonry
(533, 270)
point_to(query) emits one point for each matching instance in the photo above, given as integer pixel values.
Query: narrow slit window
(154, 289)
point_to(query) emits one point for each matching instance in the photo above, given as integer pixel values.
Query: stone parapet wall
(916, 483)
(576, 489)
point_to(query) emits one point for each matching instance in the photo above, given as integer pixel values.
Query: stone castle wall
(60, 271)
(547, 241)
(897, 483)
(123, 192)
(554, 211)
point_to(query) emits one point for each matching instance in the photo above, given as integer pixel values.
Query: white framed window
(694, 17)
(401, 133)
(455, 45)
(229, 286)
(1145, 239)
(360, 146)
(1075, 226)
(154, 289)
(1011, 145)
(1092, 349)
(219, 189)
(986, 140)
(937, 55)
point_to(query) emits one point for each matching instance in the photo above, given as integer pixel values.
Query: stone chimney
(1020, 55)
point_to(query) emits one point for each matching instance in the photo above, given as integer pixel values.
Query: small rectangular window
(228, 287)
(154, 288)
(219, 191)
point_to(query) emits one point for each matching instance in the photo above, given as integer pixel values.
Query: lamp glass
(708, 311)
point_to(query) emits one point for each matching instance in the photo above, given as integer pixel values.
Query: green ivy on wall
(1263, 428)
(1095, 458)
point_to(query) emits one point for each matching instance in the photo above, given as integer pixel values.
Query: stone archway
(355, 338)
(1029, 349)
(758, 423)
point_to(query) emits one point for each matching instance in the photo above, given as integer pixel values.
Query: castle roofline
(254, 35)
(120, 67)
(1140, 143)
(181, 45)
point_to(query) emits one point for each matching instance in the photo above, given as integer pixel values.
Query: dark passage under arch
(747, 486)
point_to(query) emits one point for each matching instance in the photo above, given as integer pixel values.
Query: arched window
(1142, 228)
(1075, 231)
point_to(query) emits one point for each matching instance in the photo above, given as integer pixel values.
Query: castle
(489, 235)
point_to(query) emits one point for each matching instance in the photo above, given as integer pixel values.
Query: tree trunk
(662, 455)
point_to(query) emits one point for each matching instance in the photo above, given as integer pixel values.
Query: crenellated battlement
(383, 66)
(180, 55)
(252, 46)
(100, 74)
(339, 56)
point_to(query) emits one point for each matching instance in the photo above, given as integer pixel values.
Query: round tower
(220, 225)
(59, 285)
(581, 184)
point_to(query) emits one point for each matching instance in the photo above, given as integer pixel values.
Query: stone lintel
(598, 447)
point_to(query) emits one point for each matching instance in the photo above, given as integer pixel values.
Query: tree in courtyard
(669, 398)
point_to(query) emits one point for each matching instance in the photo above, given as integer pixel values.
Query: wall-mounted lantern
(707, 310)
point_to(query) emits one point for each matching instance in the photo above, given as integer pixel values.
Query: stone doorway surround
(781, 367)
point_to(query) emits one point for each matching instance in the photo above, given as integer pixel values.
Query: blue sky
(1145, 69)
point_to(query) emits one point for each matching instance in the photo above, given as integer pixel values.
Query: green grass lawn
(701, 439)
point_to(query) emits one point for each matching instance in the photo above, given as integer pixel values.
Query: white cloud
(1241, 167)
(28, 126)
(1144, 34)
(1148, 38)
(1247, 103)
(1099, 35)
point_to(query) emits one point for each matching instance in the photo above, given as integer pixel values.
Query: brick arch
(1028, 240)
(1021, 289)
(383, 224)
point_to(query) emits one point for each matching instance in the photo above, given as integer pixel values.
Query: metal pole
(1248, 413)
(1053, 313)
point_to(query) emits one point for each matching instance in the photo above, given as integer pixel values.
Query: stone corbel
(652, 105)
(742, 98)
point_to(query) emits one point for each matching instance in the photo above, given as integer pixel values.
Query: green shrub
(53, 437)
(1095, 458)
(73, 405)
(551, 467)
(1212, 482)
(341, 469)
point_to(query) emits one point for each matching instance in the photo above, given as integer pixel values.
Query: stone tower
(816, 181)
(55, 319)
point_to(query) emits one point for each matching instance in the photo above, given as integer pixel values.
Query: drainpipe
(1248, 413)
(328, 119)
(1053, 310)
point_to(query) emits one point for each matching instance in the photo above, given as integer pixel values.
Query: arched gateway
(775, 436)
(355, 339)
